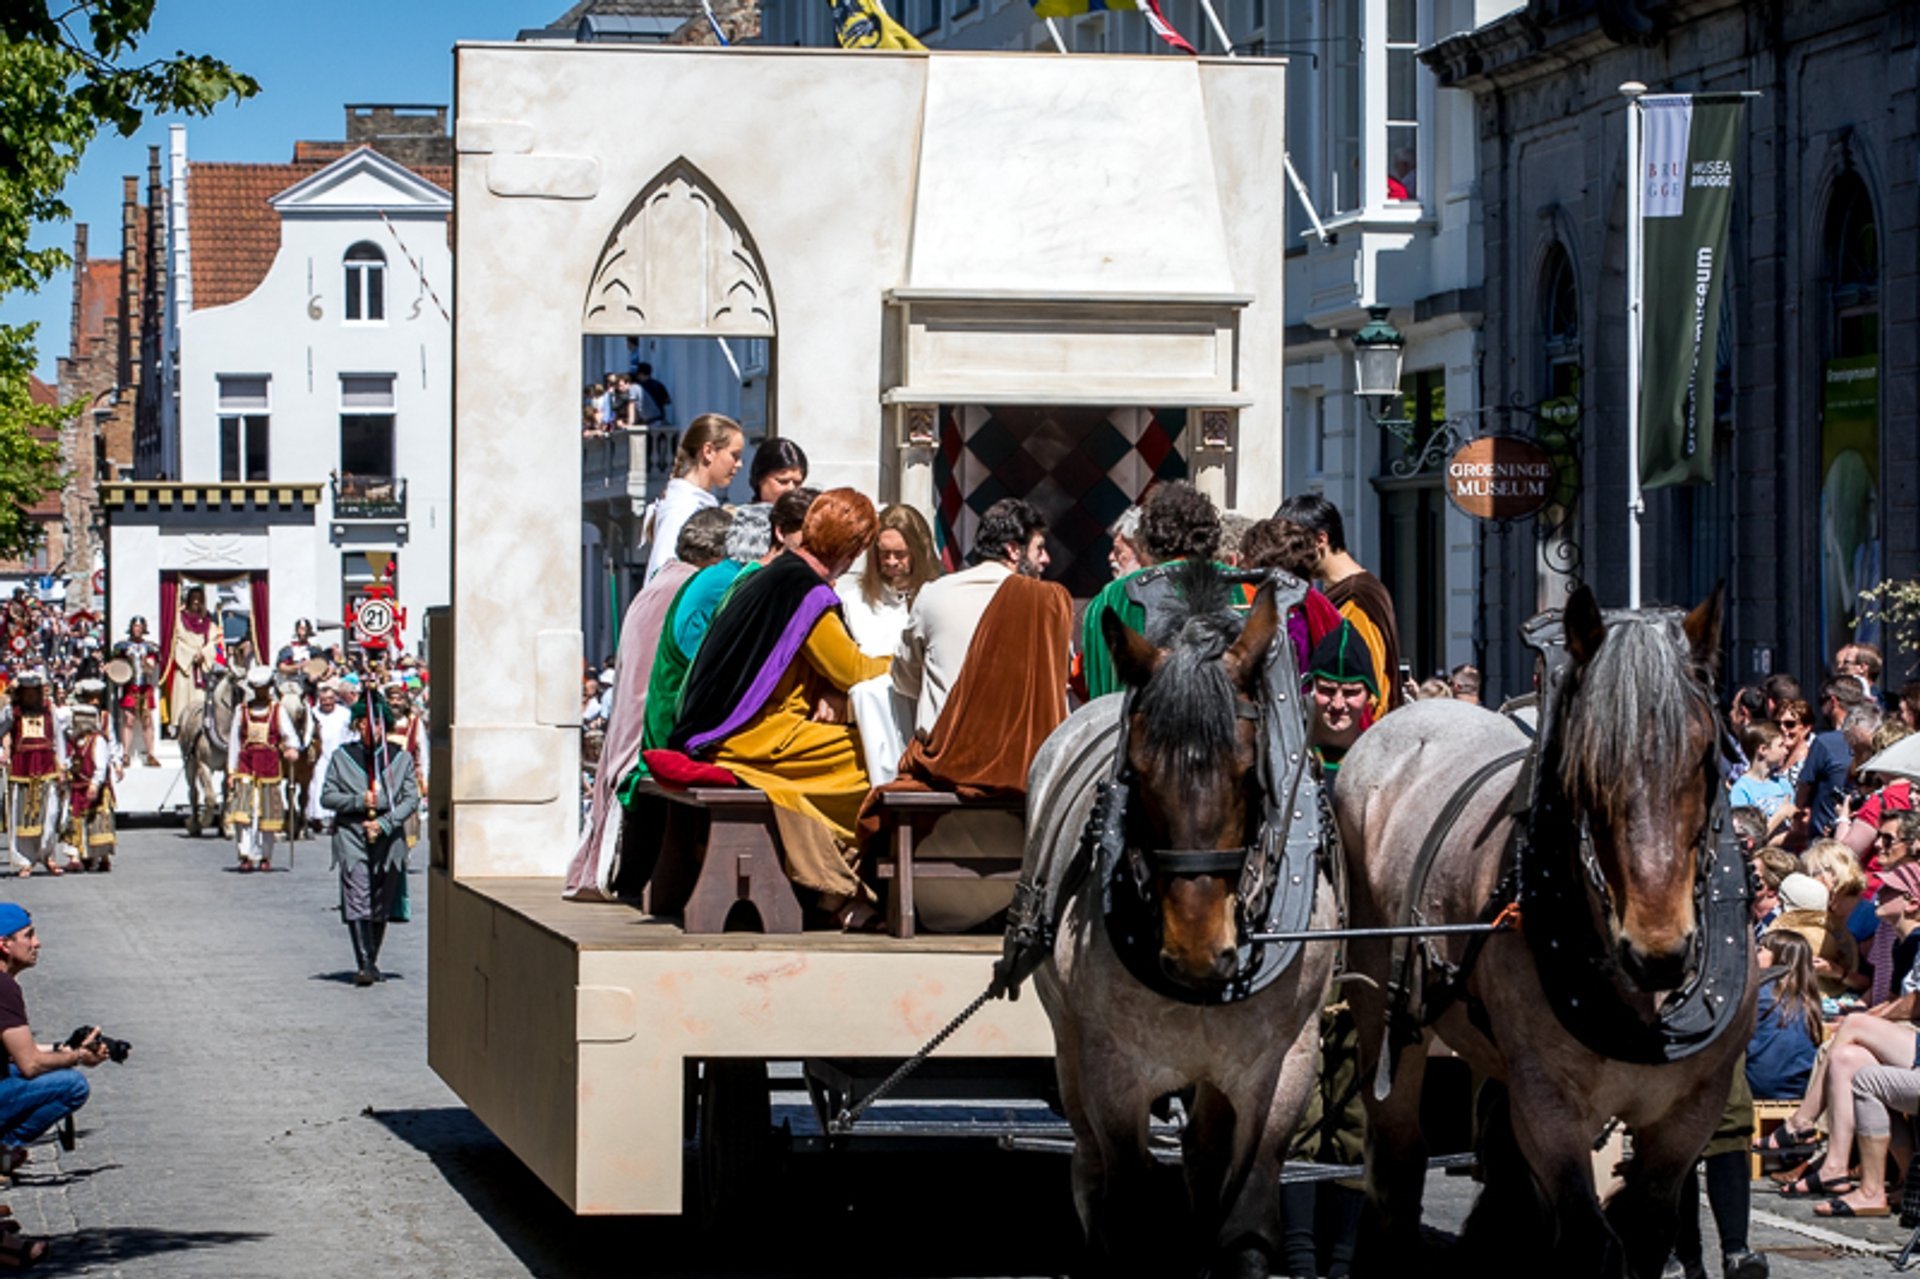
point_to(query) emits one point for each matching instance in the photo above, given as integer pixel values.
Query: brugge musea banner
(1689, 168)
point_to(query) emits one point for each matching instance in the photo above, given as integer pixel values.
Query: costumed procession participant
(771, 673)
(1345, 691)
(260, 745)
(707, 460)
(983, 662)
(779, 465)
(372, 792)
(36, 753)
(406, 730)
(192, 652)
(137, 699)
(332, 721)
(1360, 596)
(1177, 522)
(643, 631)
(900, 561)
(90, 779)
(297, 653)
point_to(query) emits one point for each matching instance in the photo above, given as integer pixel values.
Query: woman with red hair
(765, 699)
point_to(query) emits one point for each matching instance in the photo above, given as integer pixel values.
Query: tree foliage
(68, 70)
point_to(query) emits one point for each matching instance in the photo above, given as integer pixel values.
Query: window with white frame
(245, 408)
(1403, 98)
(1343, 106)
(366, 294)
(366, 427)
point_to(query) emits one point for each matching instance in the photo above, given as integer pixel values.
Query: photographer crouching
(42, 1085)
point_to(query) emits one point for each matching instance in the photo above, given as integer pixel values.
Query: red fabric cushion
(683, 772)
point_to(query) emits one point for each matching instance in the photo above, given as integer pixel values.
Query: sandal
(1786, 1141)
(1841, 1208)
(1816, 1186)
(19, 1252)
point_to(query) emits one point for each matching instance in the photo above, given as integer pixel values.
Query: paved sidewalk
(276, 1121)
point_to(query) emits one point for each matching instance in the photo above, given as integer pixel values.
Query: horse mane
(1188, 704)
(1629, 716)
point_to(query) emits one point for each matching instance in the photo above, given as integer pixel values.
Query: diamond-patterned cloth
(1081, 467)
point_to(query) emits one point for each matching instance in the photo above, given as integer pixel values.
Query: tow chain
(842, 1124)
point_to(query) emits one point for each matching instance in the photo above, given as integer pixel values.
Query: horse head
(1639, 757)
(1192, 746)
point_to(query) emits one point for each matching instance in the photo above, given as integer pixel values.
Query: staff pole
(1636, 194)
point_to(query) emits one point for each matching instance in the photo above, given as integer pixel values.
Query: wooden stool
(1767, 1116)
(907, 817)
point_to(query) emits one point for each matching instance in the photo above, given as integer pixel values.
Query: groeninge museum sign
(1499, 477)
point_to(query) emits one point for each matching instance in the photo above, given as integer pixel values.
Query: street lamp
(1377, 351)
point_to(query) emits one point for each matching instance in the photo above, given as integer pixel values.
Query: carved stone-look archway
(680, 262)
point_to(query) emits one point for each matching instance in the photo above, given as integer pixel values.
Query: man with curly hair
(1177, 522)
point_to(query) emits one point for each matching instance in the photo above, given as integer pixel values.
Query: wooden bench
(1767, 1116)
(717, 847)
(906, 817)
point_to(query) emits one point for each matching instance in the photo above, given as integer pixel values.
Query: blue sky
(311, 59)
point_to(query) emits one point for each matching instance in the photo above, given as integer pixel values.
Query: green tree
(68, 69)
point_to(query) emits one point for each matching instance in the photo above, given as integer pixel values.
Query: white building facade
(310, 419)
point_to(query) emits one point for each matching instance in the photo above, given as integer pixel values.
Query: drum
(119, 670)
(315, 668)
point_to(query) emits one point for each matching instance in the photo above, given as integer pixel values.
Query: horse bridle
(1196, 861)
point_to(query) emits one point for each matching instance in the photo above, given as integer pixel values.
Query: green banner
(1690, 167)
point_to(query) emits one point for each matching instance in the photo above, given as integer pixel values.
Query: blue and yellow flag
(866, 24)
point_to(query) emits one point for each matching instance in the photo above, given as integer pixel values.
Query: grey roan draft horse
(1193, 754)
(1632, 760)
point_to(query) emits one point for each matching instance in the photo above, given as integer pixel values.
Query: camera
(117, 1049)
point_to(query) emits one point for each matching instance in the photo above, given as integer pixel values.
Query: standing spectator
(1464, 679)
(900, 561)
(1780, 689)
(1823, 778)
(778, 465)
(1864, 663)
(707, 460)
(1764, 784)
(1358, 594)
(655, 402)
(1796, 724)
(1910, 705)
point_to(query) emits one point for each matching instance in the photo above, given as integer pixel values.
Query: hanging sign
(1500, 477)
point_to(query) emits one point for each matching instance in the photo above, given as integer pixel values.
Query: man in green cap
(371, 791)
(1346, 694)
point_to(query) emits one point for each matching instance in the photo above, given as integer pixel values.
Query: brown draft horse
(1636, 759)
(1191, 746)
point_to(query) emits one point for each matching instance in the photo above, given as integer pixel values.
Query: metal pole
(1405, 930)
(1213, 18)
(1636, 195)
(1053, 29)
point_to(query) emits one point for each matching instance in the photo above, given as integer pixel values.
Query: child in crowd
(1764, 785)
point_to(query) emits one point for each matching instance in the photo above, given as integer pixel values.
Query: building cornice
(172, 495)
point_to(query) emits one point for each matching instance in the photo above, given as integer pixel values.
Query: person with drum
(131, 668)
(371, 790)
(36, 748)
(294, 656)
(260, 745)
(90, 829)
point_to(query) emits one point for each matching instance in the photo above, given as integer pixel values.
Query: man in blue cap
(41, 1086)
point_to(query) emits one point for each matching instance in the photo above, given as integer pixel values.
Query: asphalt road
(276, 1121)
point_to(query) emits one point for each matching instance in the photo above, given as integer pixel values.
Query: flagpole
(1636, 194)
(1053, 29)
(1226, 42)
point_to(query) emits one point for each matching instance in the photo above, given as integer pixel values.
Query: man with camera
(42, 1085)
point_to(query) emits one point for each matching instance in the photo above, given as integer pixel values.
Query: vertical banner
(1689, 168)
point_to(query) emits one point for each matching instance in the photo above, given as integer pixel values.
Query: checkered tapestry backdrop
(1080, 466)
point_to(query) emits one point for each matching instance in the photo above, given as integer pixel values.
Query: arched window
(1852, 245)
(1559, 326)
(1850, 508)
(366, 284)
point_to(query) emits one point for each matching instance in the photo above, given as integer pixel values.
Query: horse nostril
(1227, 962)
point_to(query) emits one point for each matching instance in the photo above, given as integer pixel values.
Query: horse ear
(1247, 658)
(1703, 629)
(1585, 627)
(1134, 660)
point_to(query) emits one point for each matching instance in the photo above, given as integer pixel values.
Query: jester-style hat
(1342, 656)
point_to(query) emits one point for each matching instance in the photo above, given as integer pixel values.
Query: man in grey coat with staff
(371, 790)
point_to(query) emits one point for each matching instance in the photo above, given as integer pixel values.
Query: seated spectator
(1749, 827)
(1764, 784)
(1431, 690)
(1796, 722)
(1894, 847)
(1803, 909)
(1786, 1027)
(765, 700)
(41, 1086)
(1858, 827)
(1176, 523)
(1838, 960)
(1877, 1089)
(900, 561)
(699, 544)
(1862, 1040)
(1910, 705)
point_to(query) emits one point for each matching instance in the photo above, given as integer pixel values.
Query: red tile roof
(233, 231)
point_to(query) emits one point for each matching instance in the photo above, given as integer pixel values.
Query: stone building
(1817, 355)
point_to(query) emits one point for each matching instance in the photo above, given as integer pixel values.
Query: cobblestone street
(274, 1120)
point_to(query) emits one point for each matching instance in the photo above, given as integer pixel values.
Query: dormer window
(366, 269)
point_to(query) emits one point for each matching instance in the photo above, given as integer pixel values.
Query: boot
(365, 974)
(376, 937)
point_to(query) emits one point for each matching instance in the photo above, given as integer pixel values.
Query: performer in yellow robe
(765, 700)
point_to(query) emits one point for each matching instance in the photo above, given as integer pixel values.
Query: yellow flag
(866, 24)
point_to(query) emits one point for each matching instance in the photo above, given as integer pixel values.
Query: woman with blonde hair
(900, 561)
(1838, 962)
(703, 466)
